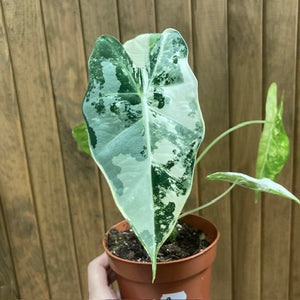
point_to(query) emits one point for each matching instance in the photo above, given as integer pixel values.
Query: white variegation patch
(111, 82)
(145, 126)
(136, 49)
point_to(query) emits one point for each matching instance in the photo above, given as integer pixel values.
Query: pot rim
(164, 262)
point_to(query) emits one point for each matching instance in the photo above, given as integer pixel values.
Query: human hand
(100, 276)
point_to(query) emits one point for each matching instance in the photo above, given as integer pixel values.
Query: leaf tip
(273, 86)
(297, 200)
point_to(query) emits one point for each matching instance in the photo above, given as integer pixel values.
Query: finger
(97, 269)
(97, 279)
(102, 260)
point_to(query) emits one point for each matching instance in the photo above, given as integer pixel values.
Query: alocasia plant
(144, 127)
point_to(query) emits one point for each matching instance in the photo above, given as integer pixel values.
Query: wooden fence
(55, 206)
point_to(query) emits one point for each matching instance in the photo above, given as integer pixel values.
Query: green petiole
(209, 203)
(225, 133)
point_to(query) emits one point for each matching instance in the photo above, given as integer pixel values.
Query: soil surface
(189, 241)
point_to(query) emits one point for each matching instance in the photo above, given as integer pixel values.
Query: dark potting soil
(126, 245)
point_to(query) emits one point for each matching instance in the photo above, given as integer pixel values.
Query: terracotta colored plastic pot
(187, 278)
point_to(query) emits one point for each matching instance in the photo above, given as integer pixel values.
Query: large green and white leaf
(145, 127)
(261, 185)
(273, 150)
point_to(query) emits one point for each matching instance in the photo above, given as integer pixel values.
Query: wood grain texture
(245, 75)
(16, 196)
(136, 17)
(212, 73)
(98, 17)
(8, 284)
(294, 282)
(165, 12)
(280, 39)
(68, 71)
(39, 123)
(294, 279)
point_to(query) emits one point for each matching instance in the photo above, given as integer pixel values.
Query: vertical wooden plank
(295, 236)
(98, 17)
(280, 40)
(210, 46)
(33, 85)
(245, 65)
(68, 71)
(165, 12)
(294, 283)
(136, 17)
(8, 284)
(101, 17)
(16, 197)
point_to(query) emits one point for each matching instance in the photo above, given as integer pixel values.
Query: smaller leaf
(80, 135)
(261, 185)
(273, 150)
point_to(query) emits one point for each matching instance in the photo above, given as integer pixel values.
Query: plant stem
(172, 237)
(209, 203)
(225, 133)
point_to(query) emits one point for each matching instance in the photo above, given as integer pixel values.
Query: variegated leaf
(145, 127)
(260, 185)
(274, 147)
